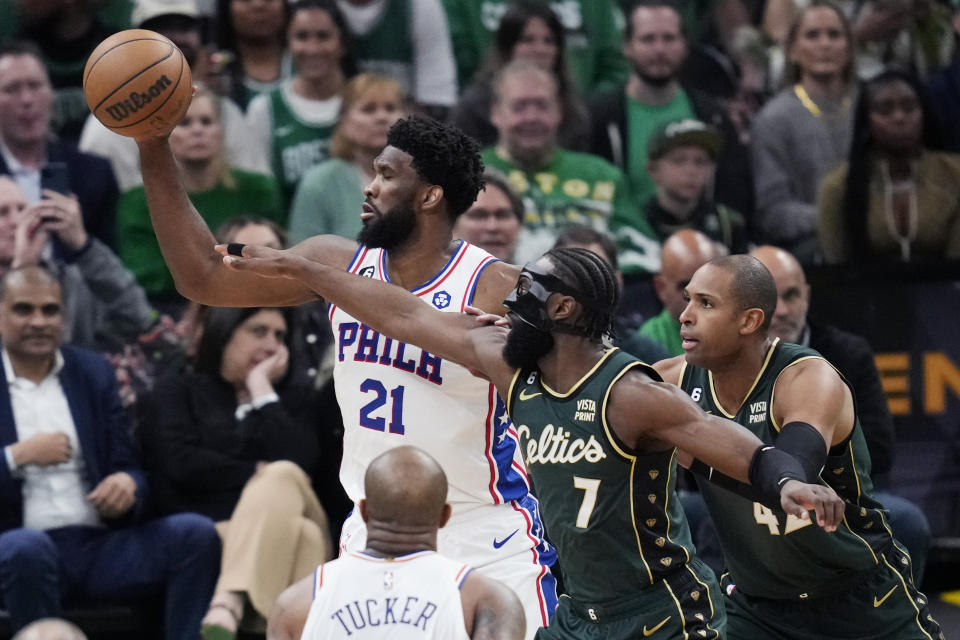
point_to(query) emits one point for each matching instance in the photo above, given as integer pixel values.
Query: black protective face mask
(528, 302)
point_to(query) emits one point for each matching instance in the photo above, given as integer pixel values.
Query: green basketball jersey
(773, 555)
(612, 514)
(297, 145)
(387, 49)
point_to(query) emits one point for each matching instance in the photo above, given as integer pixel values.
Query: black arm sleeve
(806, 444)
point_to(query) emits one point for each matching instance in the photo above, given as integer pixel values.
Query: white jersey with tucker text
(415, 597)
(392, 393)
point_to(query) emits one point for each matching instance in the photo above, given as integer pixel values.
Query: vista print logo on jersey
(441, 299)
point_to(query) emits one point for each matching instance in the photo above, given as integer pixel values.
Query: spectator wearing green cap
(682, 162)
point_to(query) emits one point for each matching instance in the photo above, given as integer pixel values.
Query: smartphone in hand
(56, 177)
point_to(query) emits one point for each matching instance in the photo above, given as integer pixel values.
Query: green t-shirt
(387, 49)
(574, 188)
(665, 330)
(328, 200)
(592, 31)
(641, 121)
(253, 193)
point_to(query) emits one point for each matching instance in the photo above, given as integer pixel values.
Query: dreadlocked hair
(442, 155)
(595, 284)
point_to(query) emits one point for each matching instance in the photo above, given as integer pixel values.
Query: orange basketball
(137, 82)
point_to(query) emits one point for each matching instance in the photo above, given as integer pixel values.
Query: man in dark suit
(72, 492)
(29, 153)
(853, 357)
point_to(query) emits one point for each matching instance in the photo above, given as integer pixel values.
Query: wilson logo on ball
(127, 106)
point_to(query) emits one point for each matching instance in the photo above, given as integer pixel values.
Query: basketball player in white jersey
(392, 393)
(399, 587)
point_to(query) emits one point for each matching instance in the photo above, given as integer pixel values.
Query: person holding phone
(34, 160)
(103, 304)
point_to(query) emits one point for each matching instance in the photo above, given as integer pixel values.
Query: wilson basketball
(137, 82)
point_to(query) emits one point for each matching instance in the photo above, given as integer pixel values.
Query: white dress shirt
(54, 495)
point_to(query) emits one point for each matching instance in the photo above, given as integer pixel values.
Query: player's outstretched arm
(491, 611)
(290, 611)
(670, 416)
(388, 309)
(186, 243)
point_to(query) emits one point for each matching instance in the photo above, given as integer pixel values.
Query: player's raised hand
(264, 261)
(799, 498)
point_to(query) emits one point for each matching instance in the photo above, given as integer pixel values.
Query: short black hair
(595, 282)
(39, 271)
(752, 287)
(650, 4)
(442, 155)
(579, 235)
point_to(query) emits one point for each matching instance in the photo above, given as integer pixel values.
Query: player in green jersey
(590, 420)
(787, 579)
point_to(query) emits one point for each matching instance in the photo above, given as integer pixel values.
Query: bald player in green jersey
(787, 579)
(600, 434)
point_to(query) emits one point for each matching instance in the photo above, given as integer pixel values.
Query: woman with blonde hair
(329, 196)
(217, 190)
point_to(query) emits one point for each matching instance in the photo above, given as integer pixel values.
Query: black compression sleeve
(770, 468)
(724, 481)
(806, 444)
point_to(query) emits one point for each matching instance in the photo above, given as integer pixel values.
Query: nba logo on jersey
(367, 272)
(441, 299)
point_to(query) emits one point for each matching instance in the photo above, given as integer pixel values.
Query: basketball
(137, 82)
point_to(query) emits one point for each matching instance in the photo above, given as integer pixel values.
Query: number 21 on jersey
(380, 399)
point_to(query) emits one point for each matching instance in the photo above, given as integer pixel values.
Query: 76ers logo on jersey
(367, 272)
(441, 299)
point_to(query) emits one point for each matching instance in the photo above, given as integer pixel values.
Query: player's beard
(389, 230)
(526, 345)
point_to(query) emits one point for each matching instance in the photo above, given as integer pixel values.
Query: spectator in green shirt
(558, 187)
(592, 37)
(683, 253)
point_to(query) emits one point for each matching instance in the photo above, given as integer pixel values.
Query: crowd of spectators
(661, 134)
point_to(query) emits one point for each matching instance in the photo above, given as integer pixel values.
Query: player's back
(775, 555)
(394, 393)
(416, 596)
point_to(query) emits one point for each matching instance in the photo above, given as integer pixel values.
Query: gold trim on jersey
(666, 502)
(773, 390)
(853, 466)
(513, 384)
(606, 355)
(763, 368)
(707, 589)
(906, 590)
(683, 619)
(629, 457)
(683, 369)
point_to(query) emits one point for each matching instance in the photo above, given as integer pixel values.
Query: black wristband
(770, 469)
(235, 248)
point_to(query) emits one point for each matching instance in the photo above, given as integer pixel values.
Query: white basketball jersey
(416, 596)
(392, 394)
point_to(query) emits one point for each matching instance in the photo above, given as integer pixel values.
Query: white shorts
(503, 542)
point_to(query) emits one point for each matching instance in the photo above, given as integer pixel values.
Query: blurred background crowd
(821, 136)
